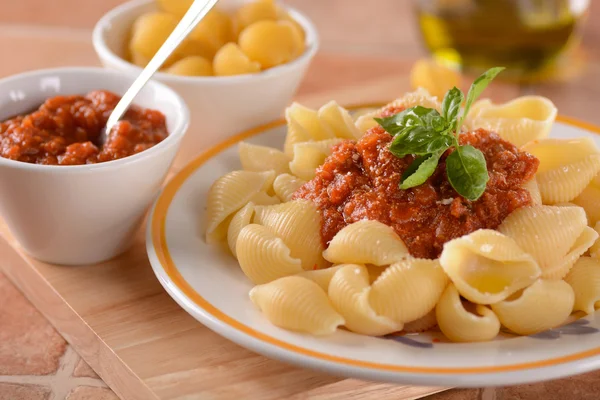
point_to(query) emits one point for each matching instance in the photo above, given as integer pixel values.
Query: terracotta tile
(456, 394)
(82, 369)
(91, 393)
(580, 387)
(10, 391)
(29, 345)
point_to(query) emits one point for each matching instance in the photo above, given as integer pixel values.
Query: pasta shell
(366, 242)
(309, 120)
(534, 190)
(408, 290)
(338, 119)
(422, 324)
(595, 249)
(263, 199)
(581, 245)
(308, 156)
(375, 271)
(542, 306)
(349, 293)
(460, 325)
(299, 225)
(297, 304)
(285, 185)
(242, 218)
(589, 199)
(584, 278)
(228, 194)
(518, 121)
(486, 267)
(263, 256)
(566, 167)
(321, 277)
(295, 134)
(420, 97)
(263, 158)
(545, 232)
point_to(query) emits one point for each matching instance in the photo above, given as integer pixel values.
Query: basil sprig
(427, 134)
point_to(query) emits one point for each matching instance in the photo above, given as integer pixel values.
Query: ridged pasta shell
(349, 293)
(263, 199)
(295, 134)
(486, 267)
(408, 290)
(584, 278)
(375, 271)
(581, 245)
(566, 167)
(420, 97)
(228, 194)
(422, 324)
(595, 249)
(285, 185)
(310, 121)
(298, 223)
(542, 306)
(589, 199)
(366, 242)
(321, 277)
(262, 158)
(534, 190)
(545, 232)
(310, 155)
(297, 304)
(518, 121)
(338, 119)
(242, 218)
(263, 256)
(460, 325)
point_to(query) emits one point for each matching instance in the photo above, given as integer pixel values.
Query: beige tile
(91, 393)
(12, 391)
(29, 345)
(82, 369)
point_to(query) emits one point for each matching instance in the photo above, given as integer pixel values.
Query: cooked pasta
(486, 267)
(349, 293)
(264, 199)
(309, 120)
(263, 158)
(338, 119)
(285, 185)
(534, 190)
(309, 155)
(321, 277)
(366, 242)
(422, 324)
(298, 224)
(587, 238)
(519, 121)
(297, 304)
(295, 134)
(584, 278)
(460, 325)
(589, 199)
(566, 167)
(543, 305)
(595, 249)
(548, 233)
(228, 194)
(408, 290)
(242, 218)
(263, 256)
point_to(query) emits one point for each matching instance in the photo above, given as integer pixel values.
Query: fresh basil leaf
(467, 172)
(479, 86)
(419, 170)
(451, 104)
(411, 117)
(419, 141)
(438, 124)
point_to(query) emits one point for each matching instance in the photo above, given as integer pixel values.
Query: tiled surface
(35, 362)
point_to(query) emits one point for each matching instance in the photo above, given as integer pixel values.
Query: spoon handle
(196, 12)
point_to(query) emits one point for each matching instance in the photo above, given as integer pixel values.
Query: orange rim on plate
(158, 221)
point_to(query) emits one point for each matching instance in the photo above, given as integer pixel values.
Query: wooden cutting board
(144, 346)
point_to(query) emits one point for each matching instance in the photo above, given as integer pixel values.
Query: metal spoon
(196, 12)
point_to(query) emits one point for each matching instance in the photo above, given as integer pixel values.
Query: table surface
(37, 363)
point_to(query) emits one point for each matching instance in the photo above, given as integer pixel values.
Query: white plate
(208, 283)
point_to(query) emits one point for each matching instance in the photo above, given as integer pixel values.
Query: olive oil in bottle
(525, 36)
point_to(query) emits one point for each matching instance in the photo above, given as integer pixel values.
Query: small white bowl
(83, 214)
(220, 106)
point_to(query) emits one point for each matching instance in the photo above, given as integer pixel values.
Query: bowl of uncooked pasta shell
(239, 68)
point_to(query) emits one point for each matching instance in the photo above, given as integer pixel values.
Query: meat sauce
(359, 180)
(63, 130)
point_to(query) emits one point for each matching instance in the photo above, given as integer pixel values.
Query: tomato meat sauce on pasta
(64, 129)
(360, 180)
